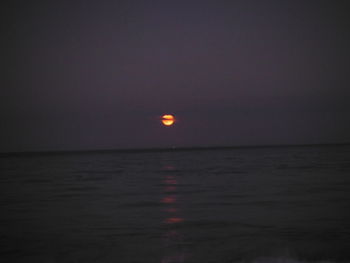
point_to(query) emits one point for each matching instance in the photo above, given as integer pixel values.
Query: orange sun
(168, 120)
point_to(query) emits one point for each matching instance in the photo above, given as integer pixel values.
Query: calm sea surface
(278, 204)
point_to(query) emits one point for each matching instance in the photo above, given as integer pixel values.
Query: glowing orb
(168, 120)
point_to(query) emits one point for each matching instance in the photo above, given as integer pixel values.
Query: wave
(285, 259)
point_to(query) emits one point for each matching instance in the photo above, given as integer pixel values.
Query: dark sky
(99, 74)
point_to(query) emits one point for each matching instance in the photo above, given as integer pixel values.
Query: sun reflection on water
(173, 238)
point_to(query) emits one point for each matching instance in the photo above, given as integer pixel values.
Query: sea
(246, 204)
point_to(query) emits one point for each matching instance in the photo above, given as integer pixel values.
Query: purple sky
(99, 74)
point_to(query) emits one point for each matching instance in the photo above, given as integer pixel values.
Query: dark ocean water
(278, 204)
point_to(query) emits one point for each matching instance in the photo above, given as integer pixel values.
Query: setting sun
(168, 120)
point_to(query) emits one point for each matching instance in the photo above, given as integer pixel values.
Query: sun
(168, 119)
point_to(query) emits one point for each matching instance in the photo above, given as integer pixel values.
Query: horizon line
(166, 149)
